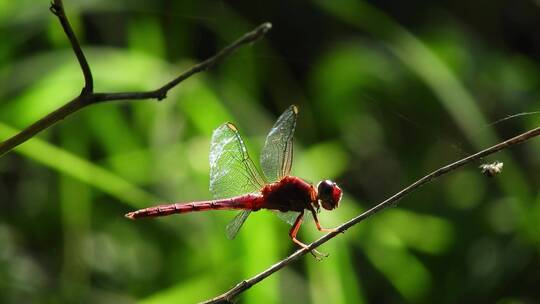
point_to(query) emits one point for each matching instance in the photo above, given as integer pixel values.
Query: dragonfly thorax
(328, 194)
(288, 194)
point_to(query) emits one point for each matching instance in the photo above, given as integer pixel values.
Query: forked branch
(88, 97)
(57, 8)
(246, 284)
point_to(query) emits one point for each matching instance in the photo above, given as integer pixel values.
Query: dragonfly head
(329, 194)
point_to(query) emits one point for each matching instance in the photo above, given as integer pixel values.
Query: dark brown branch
(88, 97)
(57, 8)
(246, 284)
(161, 93)
(73, 106)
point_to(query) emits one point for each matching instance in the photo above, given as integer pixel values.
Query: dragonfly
(237, 184)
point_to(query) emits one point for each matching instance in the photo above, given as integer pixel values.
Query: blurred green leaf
(332, 280)
(261, 251)
(202, 107)
(425, 233)
(416, 55)
(325, 160)
(75, 222)
(408, 275)
(145, 36)
(342, 77)
(70, 164)
(465, 189)
(192, 290)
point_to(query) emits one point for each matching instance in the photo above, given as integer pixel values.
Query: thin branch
(57, 8)
(88, 97)
(391, 201)
(161, 93)
(73, 106)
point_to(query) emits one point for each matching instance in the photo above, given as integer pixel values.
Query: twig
(88, 97)
(57, 8)
(246, 284)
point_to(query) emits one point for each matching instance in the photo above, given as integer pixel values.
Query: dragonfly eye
(329, 194)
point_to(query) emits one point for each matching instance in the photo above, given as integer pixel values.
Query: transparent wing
(288, 217)
(234, 226)
(277, 153)
(232, 172)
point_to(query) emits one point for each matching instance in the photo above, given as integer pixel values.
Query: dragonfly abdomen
(240, 202)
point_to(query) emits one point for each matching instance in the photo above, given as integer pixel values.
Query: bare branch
(88, 97)
(73, 106)
(246, 284)
(161, 93)
(57, 8)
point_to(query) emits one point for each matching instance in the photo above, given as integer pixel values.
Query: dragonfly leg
(294, 231)
(314, 213)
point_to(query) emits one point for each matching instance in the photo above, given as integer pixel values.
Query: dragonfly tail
(244, 202)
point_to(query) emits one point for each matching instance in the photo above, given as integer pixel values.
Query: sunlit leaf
(333, 279)
(192, 290)
(261, 246)
(325, 160)
(406, 273)
(421, 232)
(416, 55)
(83, 170)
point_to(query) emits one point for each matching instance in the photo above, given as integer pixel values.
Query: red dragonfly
(236, 183)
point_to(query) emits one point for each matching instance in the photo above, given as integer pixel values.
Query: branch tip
(162, 96)
(55, 9)
(265, 27)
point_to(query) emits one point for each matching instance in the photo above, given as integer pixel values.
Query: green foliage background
(386, 93)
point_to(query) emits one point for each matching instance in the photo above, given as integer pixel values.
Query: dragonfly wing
(232, 172)
(277, 153)
(288, 217)
(234, 226)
